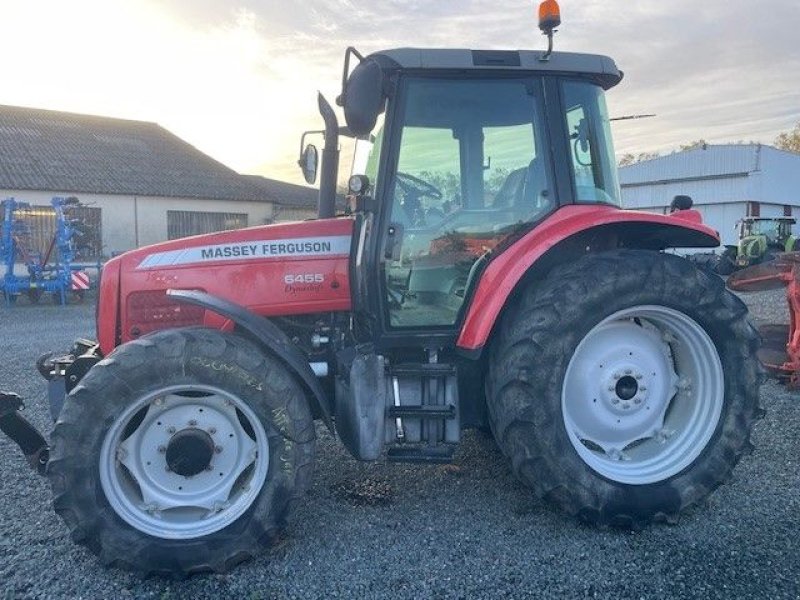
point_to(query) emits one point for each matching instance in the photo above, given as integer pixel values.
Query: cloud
(238, 78)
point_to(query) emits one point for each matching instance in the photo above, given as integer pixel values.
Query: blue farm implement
(57, 277)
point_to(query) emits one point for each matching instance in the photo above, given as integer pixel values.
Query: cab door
(465, 171)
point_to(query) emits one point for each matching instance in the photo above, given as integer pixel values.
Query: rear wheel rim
(643, 394)
(184, 462)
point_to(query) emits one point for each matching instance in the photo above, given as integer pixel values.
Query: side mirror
(680, 203)
(308, 162)
(363, 98)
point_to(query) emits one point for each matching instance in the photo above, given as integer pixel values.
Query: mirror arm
(303, 141)
(350, 50)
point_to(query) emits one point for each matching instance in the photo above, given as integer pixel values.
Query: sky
(238, 78)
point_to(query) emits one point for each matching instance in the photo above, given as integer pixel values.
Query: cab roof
(601, 68)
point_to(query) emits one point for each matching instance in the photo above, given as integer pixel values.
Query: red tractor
(483, 277)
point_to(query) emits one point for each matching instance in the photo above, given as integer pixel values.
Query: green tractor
(760, 238)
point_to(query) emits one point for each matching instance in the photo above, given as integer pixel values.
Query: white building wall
(132, 221)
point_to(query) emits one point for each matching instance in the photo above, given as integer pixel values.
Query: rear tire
(181, 453)
(612, 452)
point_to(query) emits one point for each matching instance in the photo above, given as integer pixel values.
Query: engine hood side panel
(283, 269)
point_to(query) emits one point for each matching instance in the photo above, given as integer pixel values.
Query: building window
(183, 223)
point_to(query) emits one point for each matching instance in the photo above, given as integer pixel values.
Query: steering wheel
(414, 189)
(417, 187)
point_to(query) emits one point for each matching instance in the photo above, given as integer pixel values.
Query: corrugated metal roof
(67, 152)
(705, 162)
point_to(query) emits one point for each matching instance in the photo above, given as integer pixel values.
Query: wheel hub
(626, 388)
(189, 452)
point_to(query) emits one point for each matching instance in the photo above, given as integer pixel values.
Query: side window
(591, 150)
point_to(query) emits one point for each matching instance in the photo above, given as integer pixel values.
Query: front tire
(624, 387)
(181, 452)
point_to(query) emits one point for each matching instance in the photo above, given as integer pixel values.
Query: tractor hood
(291, 268)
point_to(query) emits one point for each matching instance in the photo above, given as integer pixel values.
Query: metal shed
(726, 182)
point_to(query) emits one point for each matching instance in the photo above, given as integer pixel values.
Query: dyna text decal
(337, 245)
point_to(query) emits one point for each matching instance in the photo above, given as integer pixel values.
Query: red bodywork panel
(283, 269)
(505, 271)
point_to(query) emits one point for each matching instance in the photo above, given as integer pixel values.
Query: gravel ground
(462, 530)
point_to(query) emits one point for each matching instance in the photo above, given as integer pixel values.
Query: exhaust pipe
(330, 160)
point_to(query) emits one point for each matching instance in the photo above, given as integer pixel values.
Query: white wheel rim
(643, 394)
(158, 500)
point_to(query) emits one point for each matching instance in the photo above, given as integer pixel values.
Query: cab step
(425, 455)
(421, 370)
(422, 412)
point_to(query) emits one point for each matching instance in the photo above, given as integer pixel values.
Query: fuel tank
(282, 269)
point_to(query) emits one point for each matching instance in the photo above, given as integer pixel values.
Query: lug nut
(638, 376)
(217, 449)
(611, 388)
(615, 401)
(162, 449)
(628, 371)
(192, 423)
(170, 430)
(637, 400)
(626, 406)
(158, 401)
(643, 388)
(212, 431)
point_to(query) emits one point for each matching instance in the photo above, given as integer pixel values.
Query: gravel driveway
(403, 531)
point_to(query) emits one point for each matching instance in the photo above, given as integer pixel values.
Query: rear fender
(566, 235)
(269, 336)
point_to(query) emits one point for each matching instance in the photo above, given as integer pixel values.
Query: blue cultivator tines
(56, 278)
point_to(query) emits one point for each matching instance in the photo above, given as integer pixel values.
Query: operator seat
(535, 192)
(523, 189)
(511, 190)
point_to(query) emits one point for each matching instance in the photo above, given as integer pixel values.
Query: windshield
(772, 230)
(591, 149)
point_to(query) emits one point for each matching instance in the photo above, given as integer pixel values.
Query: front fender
(268, 335)
(568, 232)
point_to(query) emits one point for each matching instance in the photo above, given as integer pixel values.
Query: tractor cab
(458, 153)
(776, 231)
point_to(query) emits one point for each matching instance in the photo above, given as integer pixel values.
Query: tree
(629, 158)
(789, 140)
(695, 144)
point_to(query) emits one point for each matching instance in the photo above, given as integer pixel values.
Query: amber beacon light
(549, 16)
